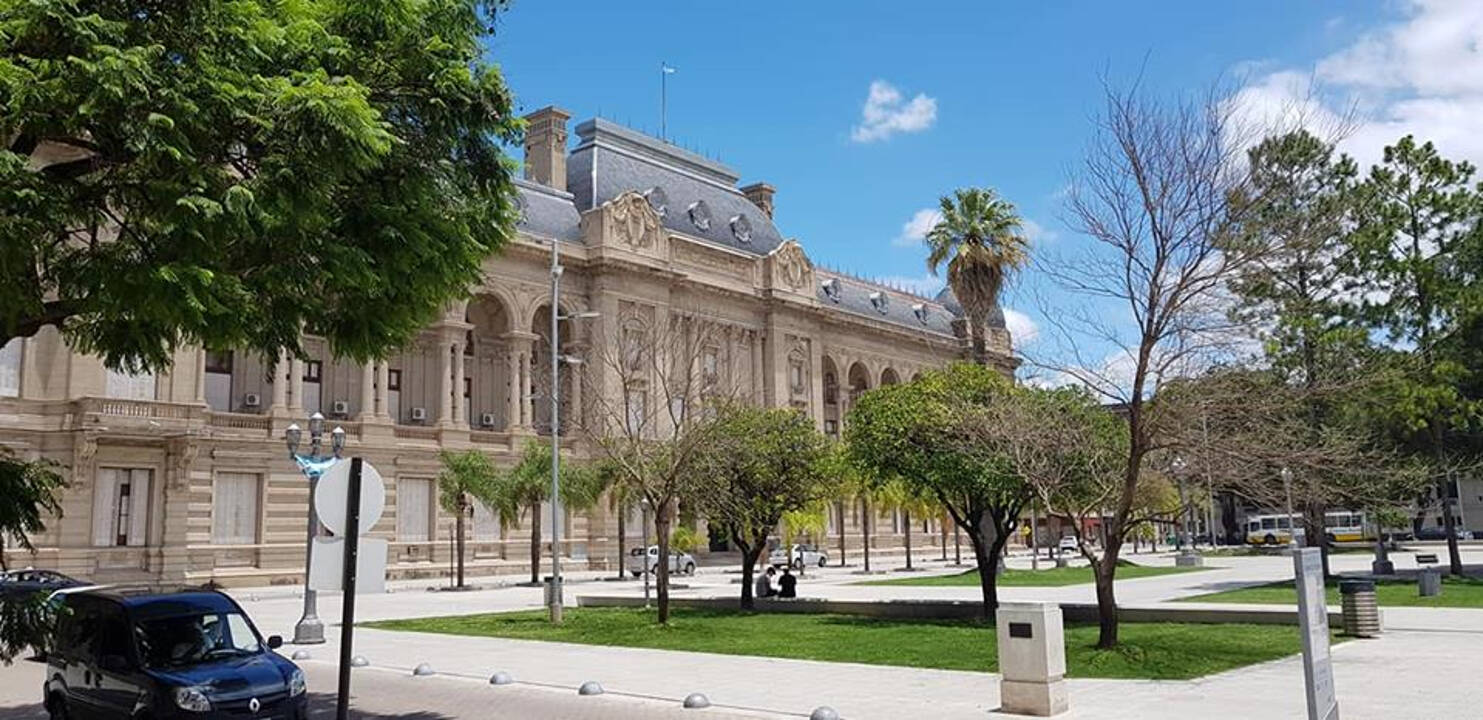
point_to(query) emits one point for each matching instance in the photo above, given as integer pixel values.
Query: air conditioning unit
(252, 400)
(486, 420)
(340, 408)
(419, 414)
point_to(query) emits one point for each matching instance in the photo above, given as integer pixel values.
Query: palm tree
(980, 238)
(466, 477)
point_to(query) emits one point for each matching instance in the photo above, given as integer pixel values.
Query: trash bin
(1430, 582)
(552, 586)
(1361, 612)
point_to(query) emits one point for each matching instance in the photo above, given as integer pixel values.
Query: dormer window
(658, 200)
(741, 228)
(831, 288)
(880, 301)
(700, 215)
(920, 310)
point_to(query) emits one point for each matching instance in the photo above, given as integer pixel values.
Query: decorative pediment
(627, 221)
(789, 269)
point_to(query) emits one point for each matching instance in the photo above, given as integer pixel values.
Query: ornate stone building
(183, 476)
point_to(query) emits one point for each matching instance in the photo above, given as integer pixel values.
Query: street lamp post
(556, 360)
(309, 630)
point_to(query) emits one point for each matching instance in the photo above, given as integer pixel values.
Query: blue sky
(989, 94)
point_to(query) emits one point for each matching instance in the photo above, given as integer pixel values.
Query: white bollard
(1032, 659)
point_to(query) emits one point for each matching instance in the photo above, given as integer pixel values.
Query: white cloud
(1022, 330)
(1421, 75)
(1037, 233)
(888, 112)
(913, 231)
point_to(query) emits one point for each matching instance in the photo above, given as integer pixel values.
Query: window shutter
(234, 509)
(138, 507)
(10, 368)
(413, 509)
(105, 507)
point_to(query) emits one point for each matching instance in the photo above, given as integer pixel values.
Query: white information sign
(327, 569)
(1313, 618)
(332, 497)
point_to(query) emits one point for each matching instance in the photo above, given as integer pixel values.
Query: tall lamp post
(309, 630)
(556, 360)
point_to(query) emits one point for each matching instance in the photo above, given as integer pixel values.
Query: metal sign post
(1313, 619)
(347, 614)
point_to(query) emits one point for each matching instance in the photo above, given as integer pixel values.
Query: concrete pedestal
(1188, 560)
(1032, 659)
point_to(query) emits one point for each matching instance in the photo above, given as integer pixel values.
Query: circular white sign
(332, 497)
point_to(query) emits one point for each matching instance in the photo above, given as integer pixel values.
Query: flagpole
(663, 100)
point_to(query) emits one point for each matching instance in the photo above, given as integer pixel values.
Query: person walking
(788, 585)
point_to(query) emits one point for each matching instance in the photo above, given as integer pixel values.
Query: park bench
(1426, 558)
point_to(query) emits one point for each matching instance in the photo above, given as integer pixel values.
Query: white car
(679, 562)
(798, 556)
(1068, 544)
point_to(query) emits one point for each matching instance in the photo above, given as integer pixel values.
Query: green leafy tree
(761, 467)
(232, 173)
(981, 240)
(523, 488)
(929, 433)
(907, 498)
(467, 477)
(1419, 231)
(31, 493)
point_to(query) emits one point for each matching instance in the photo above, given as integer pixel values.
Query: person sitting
(763, 585)
(788, 585)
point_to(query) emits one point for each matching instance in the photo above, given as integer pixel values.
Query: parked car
(679, 562)
(30, 580)
(187, 654)
(1068, 544)
(798, 556)
(1437, 532)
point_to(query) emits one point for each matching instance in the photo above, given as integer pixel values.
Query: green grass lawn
(1036, 578)
(1148, 650)
(1457, 592)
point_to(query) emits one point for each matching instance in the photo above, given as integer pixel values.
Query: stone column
(1032, 659)
(367, 392)
(280, 384)
(445, 381)
(296, 386)
(383, 390)
(460, 413)
(759, 395)
(527, 381)
(200, 379)
(512, 395)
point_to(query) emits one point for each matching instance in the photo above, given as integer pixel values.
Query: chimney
(761, 195)
(545, 147)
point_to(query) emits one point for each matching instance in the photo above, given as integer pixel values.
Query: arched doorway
(832, 410)
(540, 369)
(486, 380)
(889, 377)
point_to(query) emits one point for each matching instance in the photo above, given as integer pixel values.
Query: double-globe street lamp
(309, 630)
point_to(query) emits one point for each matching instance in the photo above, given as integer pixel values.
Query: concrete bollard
(1361, 612)
(591, 687)
(1060, 561)
(301, 655)
(359, 661)
(501, 678)
(423, 670)
(823, 712)
(1032, 659)
(1429, 582)
(696, 701)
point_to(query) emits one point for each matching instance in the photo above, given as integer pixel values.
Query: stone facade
(184, 476)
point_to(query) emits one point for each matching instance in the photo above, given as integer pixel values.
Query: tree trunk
(979, 352)
(988, 573)
(1106, 604)
(535, 543)
(839, 506)
(1315, 534)
(906, 515)
(661, 569)
(957, 546)
(750, 554)
(1449, 522)
(942, 528)
(622, 542)
(865, 529)
(459, 533)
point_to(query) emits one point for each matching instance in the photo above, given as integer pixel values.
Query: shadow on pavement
(322, 707)
(23, 711)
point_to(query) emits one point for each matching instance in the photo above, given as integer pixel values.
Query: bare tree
(656, 380)
(1152, 195)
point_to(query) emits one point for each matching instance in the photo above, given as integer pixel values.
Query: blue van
(122, 655)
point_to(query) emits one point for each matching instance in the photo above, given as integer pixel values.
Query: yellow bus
(1338, 526)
